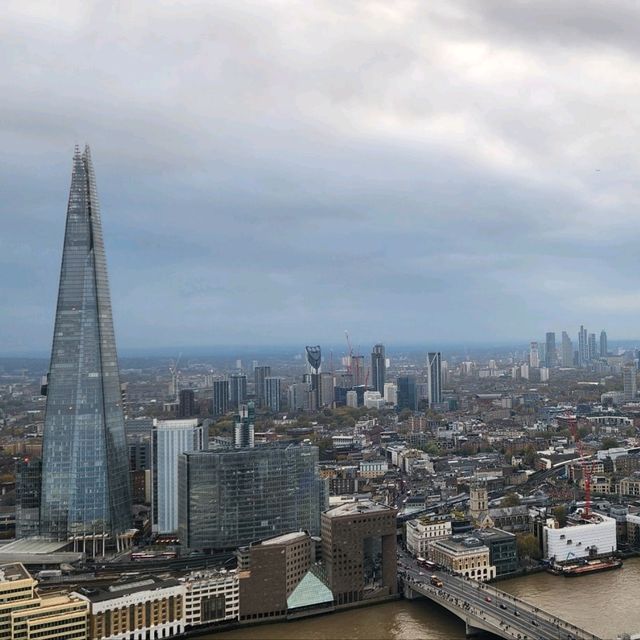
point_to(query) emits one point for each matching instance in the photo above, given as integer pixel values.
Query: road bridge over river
(485, 608)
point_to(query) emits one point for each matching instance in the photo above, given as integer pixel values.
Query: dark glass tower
(378, 368)
(85, 480)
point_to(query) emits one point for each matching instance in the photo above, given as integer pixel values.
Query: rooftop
(13, 571)
(285, 538)
(357, 507)
(119, 589)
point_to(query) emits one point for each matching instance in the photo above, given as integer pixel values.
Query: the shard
(85, 480)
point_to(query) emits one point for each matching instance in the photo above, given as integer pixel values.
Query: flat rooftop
(357, 507)
(13, 571)
(285, 538)
(119, 589)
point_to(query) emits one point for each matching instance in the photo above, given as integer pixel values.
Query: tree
(510, 500)
(560, 514)
(527, 545)
(530, 455)
(609, 443)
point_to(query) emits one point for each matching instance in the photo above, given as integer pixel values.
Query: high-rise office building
(567, 350)
(378, 368)
(534, 356)
(407, 395)
(245, 426)
(237, 390)
(434, 377)
(272, 392)
(186, 403)
(220, 399)
(629, 381)
(551, 356)
(592, 347)
(169, 438)
(583, 347)
(326, 389)
(299, 396)
(85, 479)
(259, 375)
(604, 347)
(236, 497)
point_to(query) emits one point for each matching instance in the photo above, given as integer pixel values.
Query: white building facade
(211, 596)
(580, 540)
(422, 531)
(170, 438)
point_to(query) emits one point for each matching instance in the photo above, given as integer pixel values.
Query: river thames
(605, 604)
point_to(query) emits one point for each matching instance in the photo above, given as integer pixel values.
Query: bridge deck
(483, 607)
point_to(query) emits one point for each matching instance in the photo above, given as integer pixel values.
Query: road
(507, 615)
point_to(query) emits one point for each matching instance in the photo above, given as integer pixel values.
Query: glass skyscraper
(232, 498)
(378, 368)
(85, 479)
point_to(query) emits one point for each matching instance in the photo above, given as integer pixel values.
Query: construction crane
(350, 352)
(586, 468)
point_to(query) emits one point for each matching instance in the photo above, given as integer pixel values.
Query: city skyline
(264, 179)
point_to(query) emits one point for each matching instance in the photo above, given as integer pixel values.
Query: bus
(427, 564)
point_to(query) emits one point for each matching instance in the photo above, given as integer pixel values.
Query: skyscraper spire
(85, 485)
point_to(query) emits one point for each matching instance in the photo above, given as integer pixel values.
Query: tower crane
(586, 468)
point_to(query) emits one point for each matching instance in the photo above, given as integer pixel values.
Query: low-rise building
(464, 556)
(278, 579)
(580, 538)
(503, 549)
(211, 597)
(25, 615)
(147, 607)
(422, 531)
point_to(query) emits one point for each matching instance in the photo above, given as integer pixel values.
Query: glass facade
(85, 481)
(232, 498)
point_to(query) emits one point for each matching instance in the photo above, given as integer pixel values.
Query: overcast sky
(278, 172)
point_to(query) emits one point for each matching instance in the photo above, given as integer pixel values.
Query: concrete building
(534, 355)
(359, 551)
(629, 381)
(259, 375)
(220, 398)
(169, 438)
(237, 390)
(274, 574)
(464, 556)
(373, 400)
(352, 399)
(422, 531)
(299, 396)
(24, 614)
(211, 597)
(147, 607)
(272, 393)
(327, 386)
(390, 393)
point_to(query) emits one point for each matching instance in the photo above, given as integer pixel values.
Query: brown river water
(605, 604)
